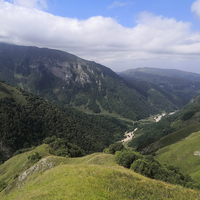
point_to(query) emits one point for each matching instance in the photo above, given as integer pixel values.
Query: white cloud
(116, 4)
(39, 4)
(154, 41)
(196, 7)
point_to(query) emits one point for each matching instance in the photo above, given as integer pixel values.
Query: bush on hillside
(35, 157)
(49, 140)
(126, 157)
(62, 147)
(3, 185)
(141, 166)
(106, 150)
(118, 146)
(167, 173)
(149, 167)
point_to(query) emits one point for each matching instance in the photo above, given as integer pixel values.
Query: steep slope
(95, 176)
(13, 167)
(181, 86)
(184, 154)
(67, 80)
(26, 120)
(150, 136)
(158, 97)
(171, 129)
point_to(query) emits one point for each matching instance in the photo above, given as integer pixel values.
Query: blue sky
(125, 12)
(118, 34)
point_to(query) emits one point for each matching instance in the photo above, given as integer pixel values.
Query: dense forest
(27, 124)
(150, 132)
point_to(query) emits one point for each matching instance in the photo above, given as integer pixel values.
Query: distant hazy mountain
(68, 80)
(164, 72)
(180, 86)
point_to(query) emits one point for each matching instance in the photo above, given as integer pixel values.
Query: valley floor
(129, 136)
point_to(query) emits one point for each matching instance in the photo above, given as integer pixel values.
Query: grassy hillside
(172, 138)
(95, 176)
(13, 167)
(19, 163)
(181, 147)
(185, 154)
(11, 92)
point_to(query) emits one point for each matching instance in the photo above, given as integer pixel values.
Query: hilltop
(95, 176)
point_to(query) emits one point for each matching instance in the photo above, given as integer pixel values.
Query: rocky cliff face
(68, 80)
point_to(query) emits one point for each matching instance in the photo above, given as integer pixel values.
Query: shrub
(62, 147)
(62, 152)
(3, 185)
(126, 157)
(106, 150)
(49, 140)
(141, 166)
(35, 157)
(16, 175)
(118, 146)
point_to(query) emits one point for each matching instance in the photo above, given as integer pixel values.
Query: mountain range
(67, 80)
(178, 87)
(55, 106)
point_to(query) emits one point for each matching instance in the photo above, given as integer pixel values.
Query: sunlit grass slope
(175, 136)
(97, 182)
(19, 163)
(95, 176)
(10, 91)
(181, 154)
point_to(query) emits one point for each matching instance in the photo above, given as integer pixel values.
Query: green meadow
(182, 154)
(95, 176)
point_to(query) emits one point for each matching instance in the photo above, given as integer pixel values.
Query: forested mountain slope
(26, 120)
(67, 80)
(169, 130)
